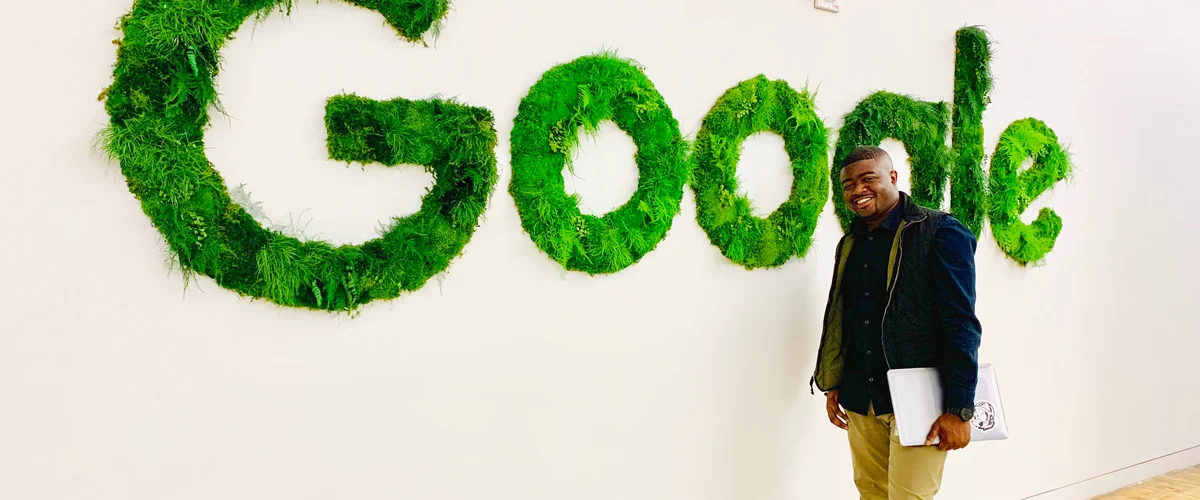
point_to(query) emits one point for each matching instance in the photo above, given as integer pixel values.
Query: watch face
(966, 414)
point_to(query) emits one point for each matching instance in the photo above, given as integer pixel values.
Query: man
(903, 296)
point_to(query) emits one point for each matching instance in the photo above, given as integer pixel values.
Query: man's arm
(954, 285)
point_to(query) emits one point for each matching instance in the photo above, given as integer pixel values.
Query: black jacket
(929, 320)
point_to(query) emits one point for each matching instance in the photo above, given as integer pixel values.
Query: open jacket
(929, 319)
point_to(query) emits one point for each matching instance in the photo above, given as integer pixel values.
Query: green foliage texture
(410, 18)
(753, 106)
(919, 125)
(158, 104)
(163, 88)
(1012, 190)
(972, 89)
(576, 96)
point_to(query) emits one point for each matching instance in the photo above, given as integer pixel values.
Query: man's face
(869, 188)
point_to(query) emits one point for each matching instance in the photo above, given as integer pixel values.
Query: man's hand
(955, 434)
(836, 415)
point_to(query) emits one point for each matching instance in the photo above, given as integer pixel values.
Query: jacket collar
(912, 211)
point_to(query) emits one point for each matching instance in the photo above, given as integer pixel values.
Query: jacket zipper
(891, 291)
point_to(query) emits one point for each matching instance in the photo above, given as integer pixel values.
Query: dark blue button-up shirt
(864, 289)
(864, 295)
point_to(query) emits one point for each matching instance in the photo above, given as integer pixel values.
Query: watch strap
(964, 413)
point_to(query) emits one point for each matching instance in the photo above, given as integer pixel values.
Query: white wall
(681, 378)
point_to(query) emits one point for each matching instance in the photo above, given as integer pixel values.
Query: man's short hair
(863, 153)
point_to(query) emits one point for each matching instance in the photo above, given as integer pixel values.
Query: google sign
(163, 88)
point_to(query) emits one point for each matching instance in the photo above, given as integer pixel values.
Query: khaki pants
(885, 470)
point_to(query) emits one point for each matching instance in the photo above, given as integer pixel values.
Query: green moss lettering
(754, 106)
(158, 107)
(579, 95)
(1012, 190)
(919, 125)
(972, 86)
(163, 89)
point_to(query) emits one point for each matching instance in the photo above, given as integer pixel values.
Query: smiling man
(903, 296)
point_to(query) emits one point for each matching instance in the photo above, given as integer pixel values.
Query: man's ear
(895, 176)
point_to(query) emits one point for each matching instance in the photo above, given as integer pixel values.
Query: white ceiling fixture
(827, 5)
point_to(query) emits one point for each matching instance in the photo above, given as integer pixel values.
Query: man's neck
(874, 224)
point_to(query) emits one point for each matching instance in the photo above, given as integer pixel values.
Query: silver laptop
(917, 404)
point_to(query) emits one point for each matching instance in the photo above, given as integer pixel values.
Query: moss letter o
(919, 125)
(581, 94)
(753, 106)
(158, 107)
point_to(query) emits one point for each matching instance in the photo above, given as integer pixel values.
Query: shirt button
(872, 379)
(870, 238)
(866, 321)
(866, 294)
(868, 352)
(864, 266)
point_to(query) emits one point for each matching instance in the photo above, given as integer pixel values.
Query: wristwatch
(966, 414)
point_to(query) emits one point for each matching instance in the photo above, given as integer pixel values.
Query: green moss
(580, 95)
(163, 89)
(1012, 190)
(972, 86)
(919, 125)
(754, 106)
(158, 105)
(411, 18)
